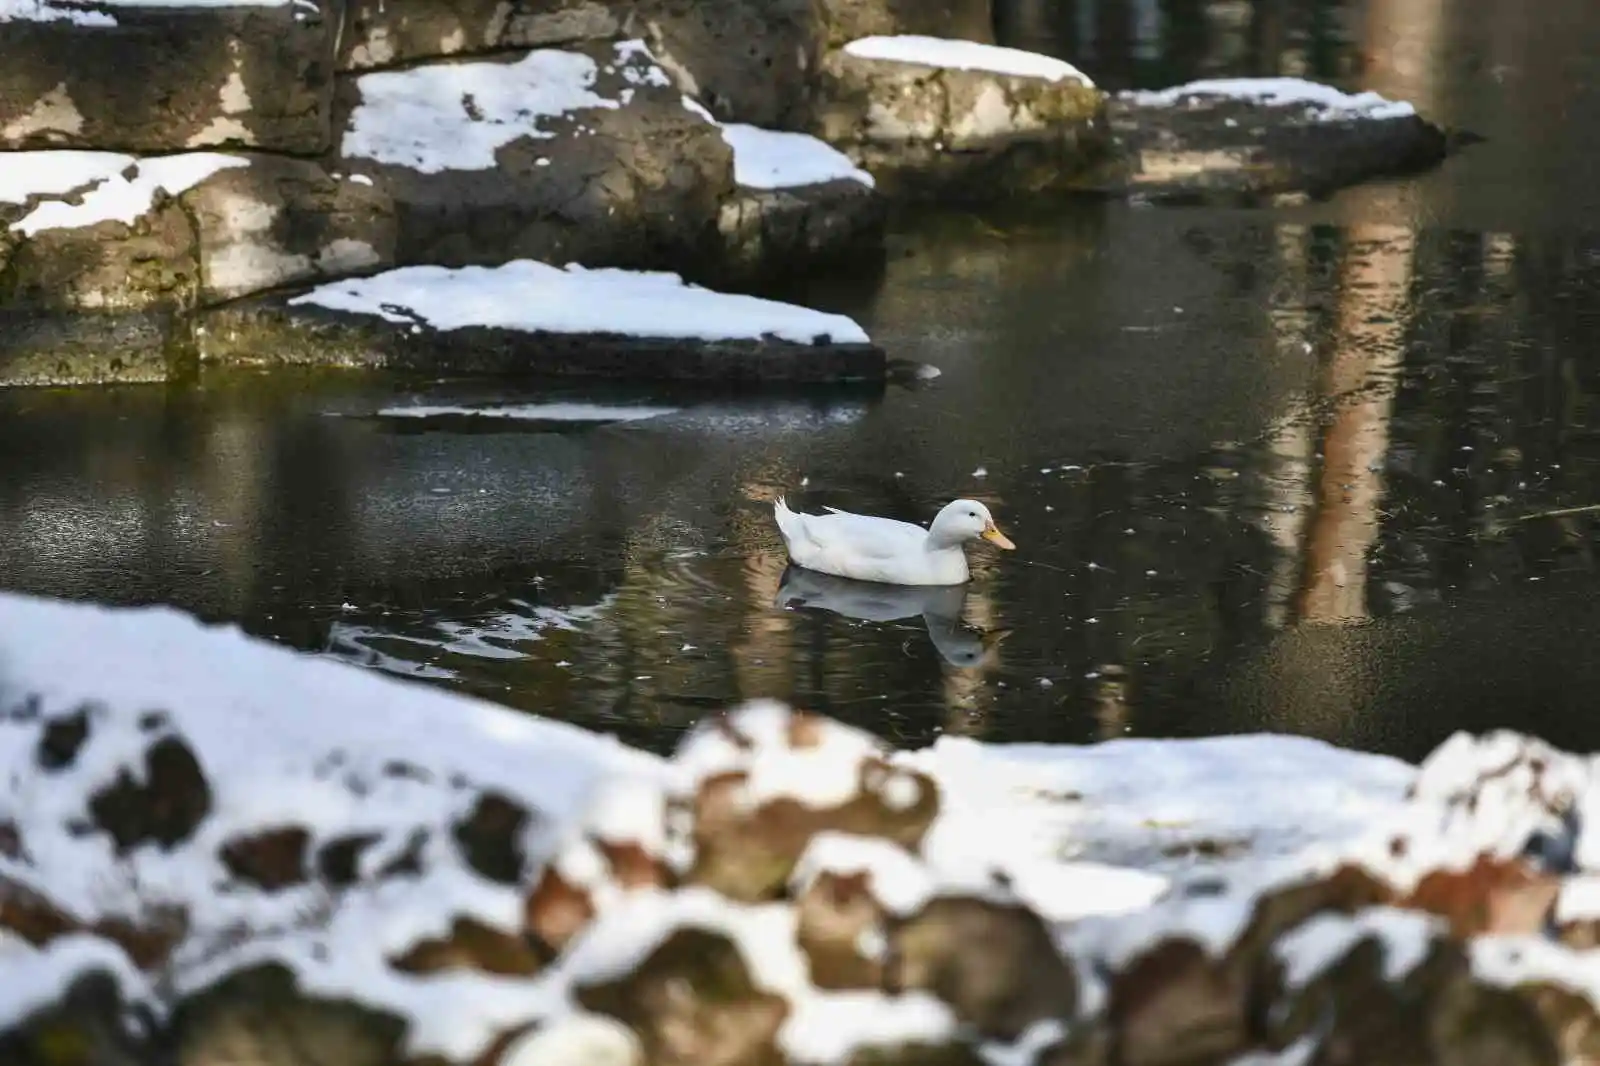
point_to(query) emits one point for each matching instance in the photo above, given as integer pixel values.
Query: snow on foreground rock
(216, 845)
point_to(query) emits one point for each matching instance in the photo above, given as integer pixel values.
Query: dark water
(1289, 468)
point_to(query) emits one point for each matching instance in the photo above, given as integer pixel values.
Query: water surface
(1329, 468)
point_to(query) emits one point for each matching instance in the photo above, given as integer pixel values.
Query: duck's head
(963, 520)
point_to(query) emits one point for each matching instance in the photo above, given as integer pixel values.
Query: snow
(256, 716)
(456, 116)
(965, 55)
(528, 295)
(1130, 802)
(1318, 943)
(899, 881)
(1324, 101)
(822, 776)
(536, 412)
(119, 187)
(773, 159)
(44, 11)
(34, 978)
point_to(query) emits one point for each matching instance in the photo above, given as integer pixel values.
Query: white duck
(882, 549)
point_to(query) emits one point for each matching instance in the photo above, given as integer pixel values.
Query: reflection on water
(938, 608)
(1330, 469)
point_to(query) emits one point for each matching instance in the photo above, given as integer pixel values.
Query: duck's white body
(885, 550)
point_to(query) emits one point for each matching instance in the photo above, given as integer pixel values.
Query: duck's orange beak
(992, 534)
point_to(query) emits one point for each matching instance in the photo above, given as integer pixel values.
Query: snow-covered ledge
(949, 118)
(530, 317)
(196, 824)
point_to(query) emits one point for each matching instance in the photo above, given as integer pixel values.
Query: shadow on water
(1331, 469)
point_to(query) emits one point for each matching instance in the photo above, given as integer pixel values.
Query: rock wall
(158, 159)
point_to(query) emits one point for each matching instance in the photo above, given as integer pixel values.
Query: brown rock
(260, 1016)
(1175, 1004)
(834, 913)
(490, 837)
(163, 806)
(338, 861)
(994, 963)
(748, 852)
(471, 945)
(969, 20)
(557, 911)
(1489, 897)
(272, 860)
(61, 739)
(692, 1002)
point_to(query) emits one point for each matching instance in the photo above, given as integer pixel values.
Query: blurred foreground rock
(203, 871)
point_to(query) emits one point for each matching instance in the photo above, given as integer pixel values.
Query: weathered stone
(770, 232)
(835, 914)
(966, 134)
(61, 739)
(384, 33)
(162, 78)
(748, 850)
(692, 1002)
(338, 861)
(995, 964)
(1222, 145)
(92, 348)
(282, 221)
(108, 266)
(162, 805)
(269, 332)
(849, 20)
(260, 1017)
(471, 945)
(490, 837)
(564, 156)
(271, 860)
(87, 1026)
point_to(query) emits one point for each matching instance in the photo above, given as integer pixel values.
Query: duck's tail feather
(789, 523)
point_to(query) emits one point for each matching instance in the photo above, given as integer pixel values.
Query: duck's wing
(865, 536)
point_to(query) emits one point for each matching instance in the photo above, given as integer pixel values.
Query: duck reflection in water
(940, 606)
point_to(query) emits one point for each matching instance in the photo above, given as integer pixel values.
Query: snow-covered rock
(579, 155)
(799, 202)
(154, 76)
(1258, 135)
(527, 317)
(213, 844)
(937, 116)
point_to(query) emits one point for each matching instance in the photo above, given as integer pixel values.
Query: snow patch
(44, 11)
(822, 776)
(538, 297)
(456, 116)
(773, 159)
(1324, 101)
(119, 188)
(965, 55)
(1316, 944)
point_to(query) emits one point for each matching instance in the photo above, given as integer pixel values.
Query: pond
(1326, 468)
